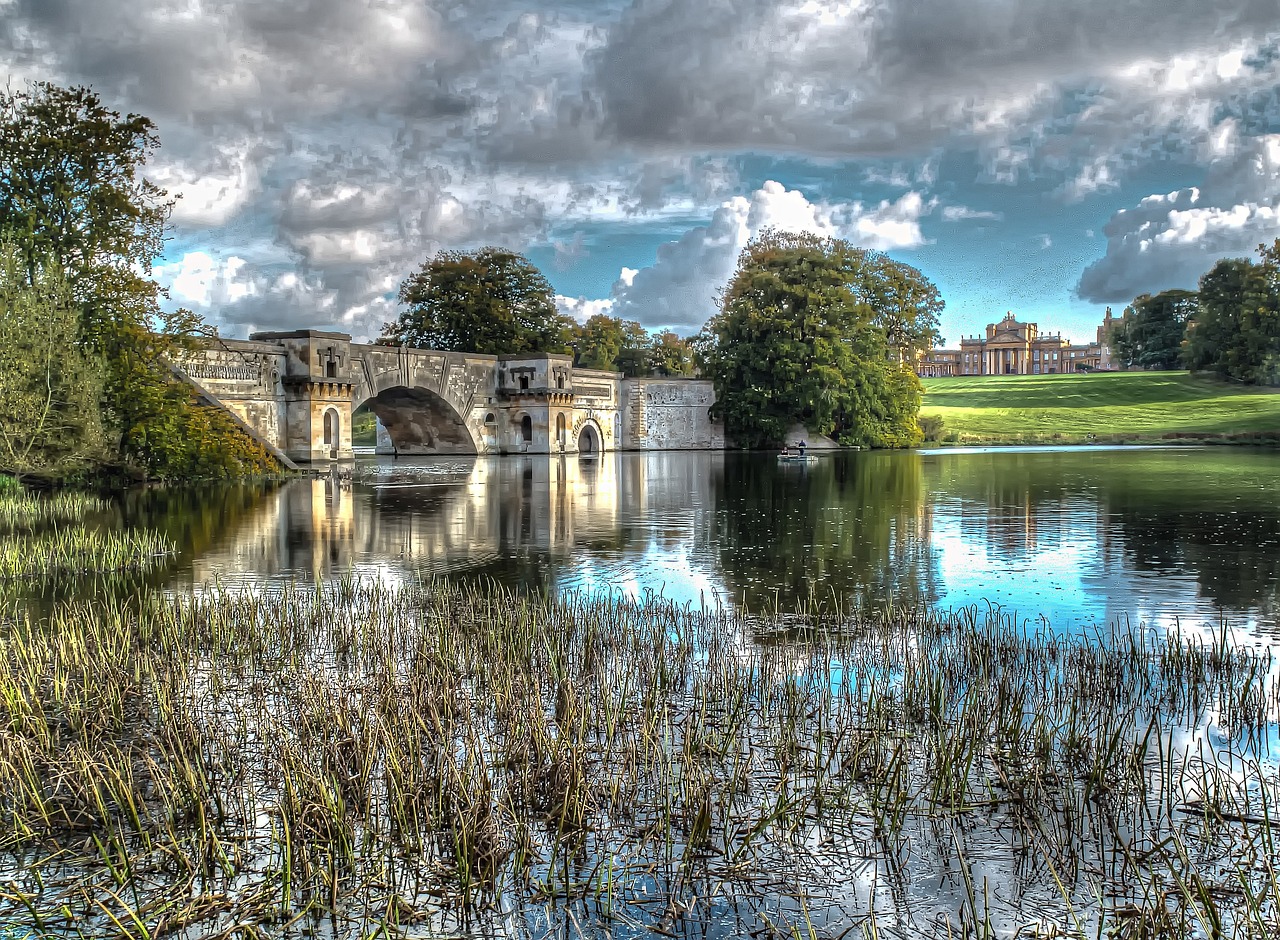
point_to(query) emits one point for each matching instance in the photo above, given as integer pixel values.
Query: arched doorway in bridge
(526, 430)
(589, 440)
(332, 431)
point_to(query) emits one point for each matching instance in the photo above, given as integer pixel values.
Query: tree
(1150, 334)
(73, 201)
(906, 303)
(489, 301)
(615, 345)
(598, 342)
(671, 355)
(798, 339)
(49, 387)
(1236, 330)
(635, 356)
(71, 191)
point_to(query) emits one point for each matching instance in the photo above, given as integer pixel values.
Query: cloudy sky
(1049, 157)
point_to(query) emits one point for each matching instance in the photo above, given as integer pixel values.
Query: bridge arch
(419, 420)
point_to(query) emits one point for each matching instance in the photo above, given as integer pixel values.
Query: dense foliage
(814, 331)
(76, 210)
(489, 301)
(1150, 334)
(605, 342)
(1236, 329)
(50, 388)
(671, 355)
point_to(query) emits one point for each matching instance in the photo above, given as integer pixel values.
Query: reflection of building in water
(305, 527)
(545, 502)
(451, 518)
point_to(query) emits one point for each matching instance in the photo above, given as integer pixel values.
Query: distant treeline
(1229, 327)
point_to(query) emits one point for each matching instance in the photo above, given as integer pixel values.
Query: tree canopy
(1150, 334)
(1236, 329)
(815, 331)
(490, 301)
(671, 355)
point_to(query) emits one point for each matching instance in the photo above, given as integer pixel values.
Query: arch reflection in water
(1080, 537)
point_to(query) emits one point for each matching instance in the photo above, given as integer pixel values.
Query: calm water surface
(1080, 537)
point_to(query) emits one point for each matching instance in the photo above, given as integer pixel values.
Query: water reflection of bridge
(467, 514)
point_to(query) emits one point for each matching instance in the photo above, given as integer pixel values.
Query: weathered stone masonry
(297, 391)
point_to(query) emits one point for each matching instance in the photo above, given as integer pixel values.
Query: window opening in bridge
(524, 383)
(331, 369)
(331, 428)
(490, 419)
(526, 429)
(560, 438)
(559, 381)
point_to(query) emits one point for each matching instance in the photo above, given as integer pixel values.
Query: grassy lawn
(1109, 406)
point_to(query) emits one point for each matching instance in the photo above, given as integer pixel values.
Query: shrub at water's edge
(1125, 407)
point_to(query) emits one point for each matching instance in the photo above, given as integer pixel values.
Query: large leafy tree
(906, 303)
(1236, 330)
(800, 339)
(635, 357)
(72, 190)
(490, 301)
(50, 421)
(1150, 334)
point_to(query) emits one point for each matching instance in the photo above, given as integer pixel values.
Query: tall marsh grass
(20, 510)
(358, 760)
(46, 537)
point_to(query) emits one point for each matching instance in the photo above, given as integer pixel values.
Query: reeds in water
(78, 551)
(20, 510)
(358, 759)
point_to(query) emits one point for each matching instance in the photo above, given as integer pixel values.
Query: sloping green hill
(1105, 405)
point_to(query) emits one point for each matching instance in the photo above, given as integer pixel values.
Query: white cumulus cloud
(1169, 240)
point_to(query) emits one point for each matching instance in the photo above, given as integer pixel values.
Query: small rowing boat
(795, 455)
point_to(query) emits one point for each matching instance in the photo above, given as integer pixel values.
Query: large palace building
(1014, 348)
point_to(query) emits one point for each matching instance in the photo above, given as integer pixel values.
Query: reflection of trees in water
(194, 517)
(849, 526)
(1222, 525)
(1212, 515)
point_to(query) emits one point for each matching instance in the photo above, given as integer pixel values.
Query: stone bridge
(296, 393)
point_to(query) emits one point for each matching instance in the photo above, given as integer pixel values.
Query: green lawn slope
(1103, 406)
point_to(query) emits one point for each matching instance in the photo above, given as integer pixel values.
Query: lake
(1080, 537)
(1048, 706)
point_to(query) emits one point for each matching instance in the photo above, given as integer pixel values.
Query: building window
(526, 428)
(524, 383)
